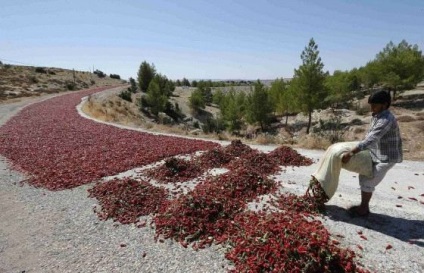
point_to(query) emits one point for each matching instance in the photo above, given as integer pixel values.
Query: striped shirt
(383, 139)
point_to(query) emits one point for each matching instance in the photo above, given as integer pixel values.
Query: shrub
(213, 125)
(40, 70)
(144, 102)
(125, 95)
(99, 73)
(33, 79)
(356, 121)
(115, 76)
(70, 86)
(173, 111)
(331, 129)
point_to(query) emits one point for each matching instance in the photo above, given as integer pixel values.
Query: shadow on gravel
(410, 231)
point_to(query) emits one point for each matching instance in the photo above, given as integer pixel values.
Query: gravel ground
(43, 231)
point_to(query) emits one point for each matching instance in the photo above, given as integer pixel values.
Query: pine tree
(145, 75)
(259, 107)
(308, 82)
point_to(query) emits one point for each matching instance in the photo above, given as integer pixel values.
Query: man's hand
(346, 157)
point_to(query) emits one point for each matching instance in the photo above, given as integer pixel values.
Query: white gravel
(44, 231)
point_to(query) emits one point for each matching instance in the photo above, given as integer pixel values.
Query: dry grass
(265, 139)
(24, 81)
(405, 118)
(313, 142)
(420, 126)
(113, 110)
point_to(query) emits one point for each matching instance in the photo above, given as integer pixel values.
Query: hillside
(408, 108)
(28, 81)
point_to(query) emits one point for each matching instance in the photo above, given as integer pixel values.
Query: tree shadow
(410, 231)
(414, 104)
(203, 115)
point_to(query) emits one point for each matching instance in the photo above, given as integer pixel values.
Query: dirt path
(18, 224)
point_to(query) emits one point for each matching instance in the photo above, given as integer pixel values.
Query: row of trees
(396, 67)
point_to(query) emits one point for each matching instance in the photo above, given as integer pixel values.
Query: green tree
(370, 74)
(275, 93)
(281, 98)
(185, 82)
(133, 87)
(258, 106)
(402, 66)
(232, 109)
(308, 81)
(166, 86)
(218, 96)
(145, 75)
(156, 98)
(206, 91)
(197, 101)
(339, 87)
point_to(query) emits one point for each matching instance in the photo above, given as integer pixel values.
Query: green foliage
(194, 83)
(258, 106)
(340, 86)
(155, 98)
(185, 82)
(145, 75)
(197, 101)
(206, 91)
(70, 86)
(115, 76)
(173, 111)
(166, 86)
(125, 95)
(213, 125)
(308, 82)
(133, 88)
(402, 65)
(217, 97)
(232, 106)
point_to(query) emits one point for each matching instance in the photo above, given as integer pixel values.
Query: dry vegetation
(28, 81)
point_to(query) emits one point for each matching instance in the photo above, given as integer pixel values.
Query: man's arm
(380, 129)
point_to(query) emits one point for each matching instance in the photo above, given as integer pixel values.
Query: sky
(251, 39)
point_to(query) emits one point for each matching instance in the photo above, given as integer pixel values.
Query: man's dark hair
(381, 97)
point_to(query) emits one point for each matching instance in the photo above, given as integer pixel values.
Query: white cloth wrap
(330, 165)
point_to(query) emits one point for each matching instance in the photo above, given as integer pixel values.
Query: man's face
(377, 107)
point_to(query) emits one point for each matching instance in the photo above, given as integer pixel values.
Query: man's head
(379, 101)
